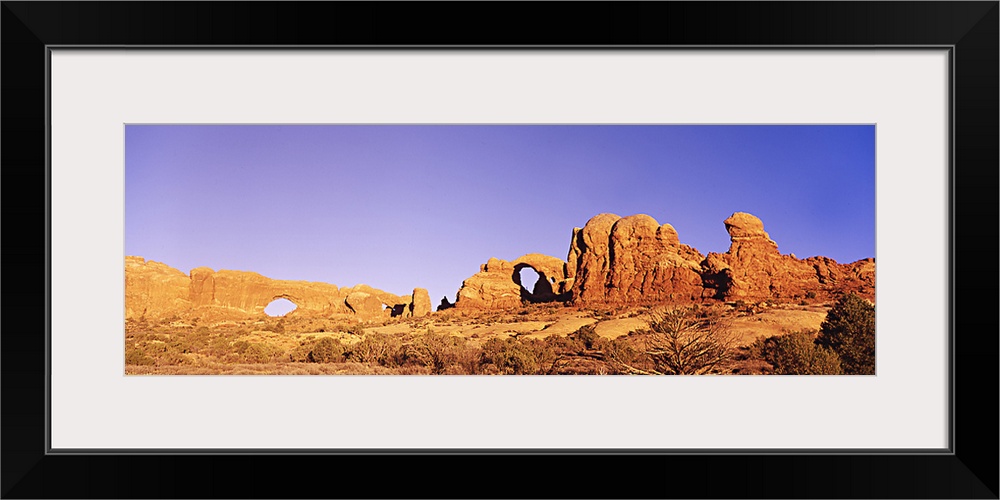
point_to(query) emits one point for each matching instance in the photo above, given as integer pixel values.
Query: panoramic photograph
(499, 250)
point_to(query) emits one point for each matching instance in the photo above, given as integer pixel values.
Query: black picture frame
(970, 29)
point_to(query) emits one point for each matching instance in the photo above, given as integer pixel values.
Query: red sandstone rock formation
(156, 291)
(421, 303)
(590, 257)
(497, 285)
(635, 260)
(754, 269)
(857, 277)
(492, 287)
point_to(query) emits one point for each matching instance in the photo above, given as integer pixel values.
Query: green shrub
(240, 346)
(376, 349)
(849, 330)
(587, 334)
(516, 356)
(326, 350)
(260, 353)
(219, 346)
(135, 356)
(440, 353)
(172, 358)
(624, 356)
(565, 345)
(796, 354)
(301, 353)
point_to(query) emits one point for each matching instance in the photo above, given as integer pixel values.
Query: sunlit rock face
(634, 259)
(498, 285)
(754, 269)
(612, 260)
(154, 290)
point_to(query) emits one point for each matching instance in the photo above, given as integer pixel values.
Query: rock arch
(541, 291)
(155, 290)
(497, 285)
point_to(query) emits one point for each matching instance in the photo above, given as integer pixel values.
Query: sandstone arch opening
(279, 307)
(535, 285)
(528, 278)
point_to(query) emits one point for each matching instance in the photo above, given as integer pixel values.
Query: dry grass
(776, 322)
(266, 347)
(615, 328)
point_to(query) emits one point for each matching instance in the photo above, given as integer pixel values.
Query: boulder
(421, 304)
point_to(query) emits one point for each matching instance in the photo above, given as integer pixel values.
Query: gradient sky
(404, 206)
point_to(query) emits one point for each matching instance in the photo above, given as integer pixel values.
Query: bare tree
(677, 343)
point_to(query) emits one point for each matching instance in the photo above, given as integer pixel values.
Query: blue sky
(404, 206)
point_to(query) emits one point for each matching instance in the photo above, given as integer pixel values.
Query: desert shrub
(135, 356)
(439, 353)
(355, 329)
(194, 341)
(565, 345)
(414, 354)
(301, 353)
(165, 354)
(677, 343)
(516, 356)
(326, 350)
(135, 325)
(849, 330)
(219, 346)
(378, 349)
(263, 352)
(810, 294)
(240, 346)
(172, 357)
(587, 334)
(796, 354)
(602, 343)
(624, 357)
